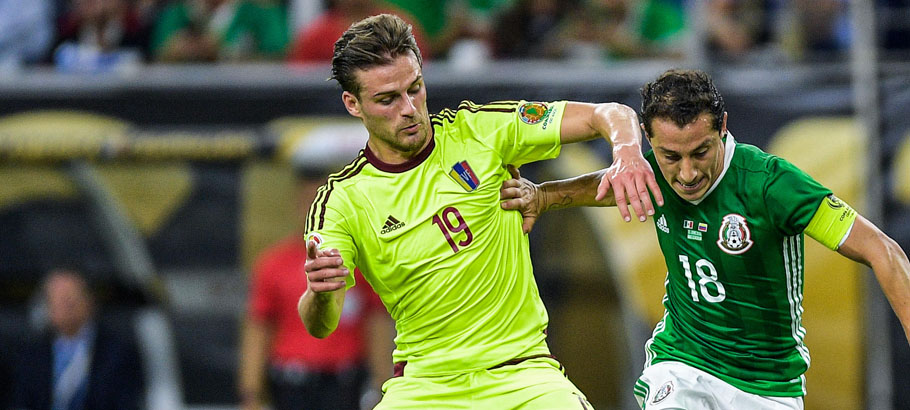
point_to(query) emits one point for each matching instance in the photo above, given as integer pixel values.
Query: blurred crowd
(104, 35)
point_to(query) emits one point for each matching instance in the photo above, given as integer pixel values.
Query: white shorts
(674, 385)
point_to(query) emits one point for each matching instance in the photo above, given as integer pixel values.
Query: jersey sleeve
(328, 225)
(791, 196)
(521, 131)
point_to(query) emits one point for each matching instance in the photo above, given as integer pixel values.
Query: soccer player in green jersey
(417, 211)
(731, 231)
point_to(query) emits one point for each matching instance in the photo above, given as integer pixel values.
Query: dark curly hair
(370, 42)
(681, 96)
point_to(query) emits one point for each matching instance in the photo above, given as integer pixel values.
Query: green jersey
(735, 273)
(452, 267)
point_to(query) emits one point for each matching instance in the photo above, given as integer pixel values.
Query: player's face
(690, 158)
(393, 106)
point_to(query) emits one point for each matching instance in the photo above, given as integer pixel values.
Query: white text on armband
(832, 222)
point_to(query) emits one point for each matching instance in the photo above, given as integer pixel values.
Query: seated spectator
(812, 30)
(219, 30)
(624, 29)
(102, 35)
(79, 362)
(456, 25)
(316, 42)
(531, 29)
(734, 27)
(26, 31)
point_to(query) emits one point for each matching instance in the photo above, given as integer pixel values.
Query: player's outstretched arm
(630, 176)
(870, 246)
(321, 304)
(532, 199)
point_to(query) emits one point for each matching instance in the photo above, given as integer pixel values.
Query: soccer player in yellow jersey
(418, 213)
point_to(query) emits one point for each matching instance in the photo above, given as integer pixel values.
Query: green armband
(832, 222)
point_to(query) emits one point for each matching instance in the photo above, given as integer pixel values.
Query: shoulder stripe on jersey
(344, 171)
(325, 191)
(449, 114)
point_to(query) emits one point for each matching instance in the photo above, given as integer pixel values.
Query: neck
(392, 156)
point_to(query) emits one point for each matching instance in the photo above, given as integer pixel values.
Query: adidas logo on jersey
(662, 224)
(390, 225)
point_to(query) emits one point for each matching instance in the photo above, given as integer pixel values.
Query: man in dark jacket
(78, 363)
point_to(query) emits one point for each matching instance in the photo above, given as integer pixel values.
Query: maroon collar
(404, 166)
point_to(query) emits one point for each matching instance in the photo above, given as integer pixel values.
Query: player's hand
(325, 271)
(631, 177)
(523, 195)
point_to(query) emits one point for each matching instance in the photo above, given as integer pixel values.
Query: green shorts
(538, 383)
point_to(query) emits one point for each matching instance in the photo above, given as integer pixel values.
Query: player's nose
(687, 172)
(409, 107)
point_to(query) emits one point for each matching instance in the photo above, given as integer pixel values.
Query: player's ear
(351, 103)
(723, 125)
(644, 131)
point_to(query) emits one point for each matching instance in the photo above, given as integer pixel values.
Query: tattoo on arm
(563, 201)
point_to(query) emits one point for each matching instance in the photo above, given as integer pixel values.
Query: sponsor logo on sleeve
(315, 237)
(734, 236)
(533, 112)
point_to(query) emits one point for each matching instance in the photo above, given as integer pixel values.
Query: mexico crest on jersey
(532, 112)
(663, 392)
(734, 236)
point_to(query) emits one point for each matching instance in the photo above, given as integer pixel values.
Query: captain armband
(832, 222)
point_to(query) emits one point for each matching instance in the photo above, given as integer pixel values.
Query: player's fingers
(620, 195)
(510, 183)
(510, 193)
(635, 202)
(326, 262)
(655, 189)
(311, 249)
(603, 188)
(644, 197)
(327, 274)
(515, 203)
(513, 171)
(527, 223)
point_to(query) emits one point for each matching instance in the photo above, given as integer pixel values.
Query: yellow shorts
(533, 384)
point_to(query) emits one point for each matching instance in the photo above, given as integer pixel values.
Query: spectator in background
(734, 27)
(102, 35)
(316, 42)
(218, 30)
(624, 29)
(80, 362)
(817, 29)
(530, 29)
(343, 371)
(26, 31)
(454, 26)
